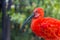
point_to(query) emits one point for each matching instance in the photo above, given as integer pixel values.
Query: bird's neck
(37, 19)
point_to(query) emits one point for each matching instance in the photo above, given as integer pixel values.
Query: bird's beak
(27, 20)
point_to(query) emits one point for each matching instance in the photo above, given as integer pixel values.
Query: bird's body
(45, 27)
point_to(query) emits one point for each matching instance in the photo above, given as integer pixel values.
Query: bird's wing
(51, 27)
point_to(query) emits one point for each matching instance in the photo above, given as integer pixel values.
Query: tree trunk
(5, 22)
(9, 5)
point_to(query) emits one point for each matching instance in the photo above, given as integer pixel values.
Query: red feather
(45, 27)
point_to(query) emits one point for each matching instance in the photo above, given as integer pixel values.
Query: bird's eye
(36, 11)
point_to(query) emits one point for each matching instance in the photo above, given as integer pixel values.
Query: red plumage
(45, 27)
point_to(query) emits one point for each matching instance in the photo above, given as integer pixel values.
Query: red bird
(45, 27)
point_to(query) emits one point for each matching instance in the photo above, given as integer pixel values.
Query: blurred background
(14, 12)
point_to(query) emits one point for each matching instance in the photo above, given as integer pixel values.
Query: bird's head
(37, 13)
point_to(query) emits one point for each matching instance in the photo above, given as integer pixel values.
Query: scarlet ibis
(45, 27)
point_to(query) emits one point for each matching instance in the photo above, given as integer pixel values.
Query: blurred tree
(9, 5)
(5, 22)
(0, 5)
(0, 20)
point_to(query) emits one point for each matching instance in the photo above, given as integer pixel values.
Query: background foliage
(21, 9)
